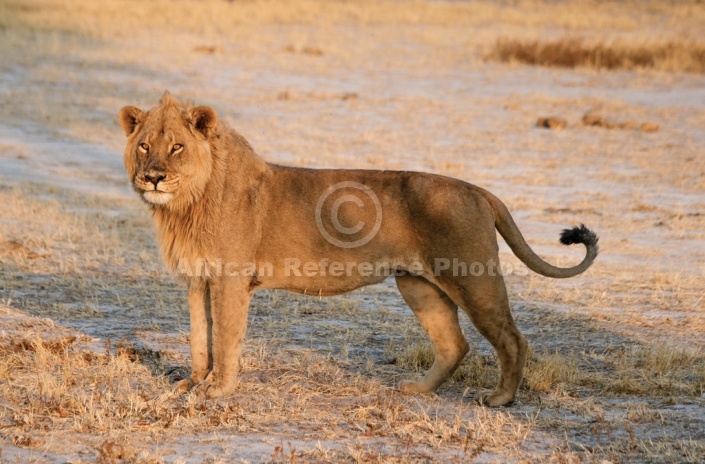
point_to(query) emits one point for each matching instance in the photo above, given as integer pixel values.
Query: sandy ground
(77, 254)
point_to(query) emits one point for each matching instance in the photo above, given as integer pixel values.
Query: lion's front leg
(199, 333)
(230, 299)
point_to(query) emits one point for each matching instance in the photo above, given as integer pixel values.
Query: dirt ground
(93, 330)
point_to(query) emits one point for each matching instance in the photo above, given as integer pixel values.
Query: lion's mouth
(157, 197)
(159, 194)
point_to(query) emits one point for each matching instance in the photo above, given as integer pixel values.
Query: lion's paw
(216, 391)
(494, 399)
(412, 386)
(184, 385)
(213, 389)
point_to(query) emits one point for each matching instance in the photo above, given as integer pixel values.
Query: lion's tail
(511, 234)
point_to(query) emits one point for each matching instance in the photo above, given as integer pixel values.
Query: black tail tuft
(579, 235)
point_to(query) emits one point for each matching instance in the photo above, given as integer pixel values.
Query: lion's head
(168, 155)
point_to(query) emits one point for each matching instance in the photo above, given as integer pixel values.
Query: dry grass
(675, 56)
(58, 386)
(89, 391)
(55, 237)
(477, 371)
(657, 371)
(550, 372)
(219, 14)
(221, 18)
(660, 370)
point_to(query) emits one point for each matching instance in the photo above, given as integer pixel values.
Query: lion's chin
(156, 197)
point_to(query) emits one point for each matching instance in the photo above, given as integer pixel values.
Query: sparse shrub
(570, 52)
(546, 371)
(477, 371)
(658, 370)
(417, 356)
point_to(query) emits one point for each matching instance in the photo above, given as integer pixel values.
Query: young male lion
(232, 223)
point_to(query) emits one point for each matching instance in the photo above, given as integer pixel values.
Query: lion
(230, 223)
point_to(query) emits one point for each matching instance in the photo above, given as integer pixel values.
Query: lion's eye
(144, 146)
(176, 147)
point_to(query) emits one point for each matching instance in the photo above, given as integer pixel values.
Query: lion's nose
(154, 177)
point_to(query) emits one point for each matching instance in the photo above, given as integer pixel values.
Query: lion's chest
(184, 244)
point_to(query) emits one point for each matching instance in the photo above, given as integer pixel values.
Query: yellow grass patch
(550, 371)
(688, 56)
(59, 385)
(221, 18)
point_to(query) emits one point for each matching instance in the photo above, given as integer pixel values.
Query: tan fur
(213, 199)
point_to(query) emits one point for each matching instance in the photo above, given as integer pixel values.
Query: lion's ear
(129, 117)
(204, 120)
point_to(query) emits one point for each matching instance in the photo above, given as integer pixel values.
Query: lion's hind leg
(484, 299)
(439, 317)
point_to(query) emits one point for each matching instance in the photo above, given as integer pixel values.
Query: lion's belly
(320, 278)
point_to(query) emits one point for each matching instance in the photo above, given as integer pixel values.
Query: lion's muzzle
(154, 186)
(154, 177)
